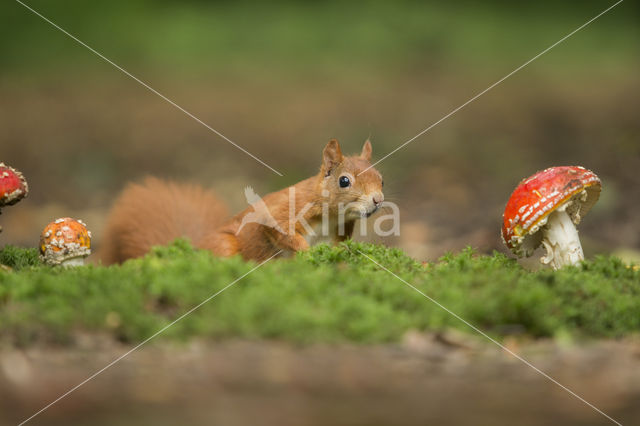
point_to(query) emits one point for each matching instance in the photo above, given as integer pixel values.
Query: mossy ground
(327, 294)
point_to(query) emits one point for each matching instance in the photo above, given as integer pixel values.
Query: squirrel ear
(331, 156)
(366, 150)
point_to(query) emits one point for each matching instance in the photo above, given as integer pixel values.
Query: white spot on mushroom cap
(12, 196)
(67, 251)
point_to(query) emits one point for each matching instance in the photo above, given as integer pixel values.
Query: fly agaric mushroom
(545, 208)
(66, 242)
(13, 186)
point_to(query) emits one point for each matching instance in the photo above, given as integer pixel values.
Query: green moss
(18, 258)
(325, 294)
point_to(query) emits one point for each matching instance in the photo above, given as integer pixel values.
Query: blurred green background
(282, 78)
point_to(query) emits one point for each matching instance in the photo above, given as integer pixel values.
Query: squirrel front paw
(294, 243)
(299, 243)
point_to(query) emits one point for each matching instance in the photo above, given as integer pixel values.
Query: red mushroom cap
(539, 195)
(13, 186)
(64, 239)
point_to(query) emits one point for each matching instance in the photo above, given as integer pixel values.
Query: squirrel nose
(378, 199)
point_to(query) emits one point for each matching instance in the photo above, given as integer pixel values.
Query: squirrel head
(349, 183)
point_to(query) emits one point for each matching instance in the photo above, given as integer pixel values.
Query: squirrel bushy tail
(156, 212)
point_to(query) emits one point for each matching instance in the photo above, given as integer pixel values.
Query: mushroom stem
(73, 262)
(561, 241)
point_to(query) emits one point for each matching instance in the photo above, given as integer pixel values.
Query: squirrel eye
(344, 181)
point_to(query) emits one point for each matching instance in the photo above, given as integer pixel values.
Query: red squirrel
(156, 212)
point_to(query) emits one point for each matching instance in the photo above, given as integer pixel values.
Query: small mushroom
(66, 242)
(545, 208)
(13, 187)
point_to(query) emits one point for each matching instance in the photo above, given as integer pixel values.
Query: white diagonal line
(146, 340)
(467, 323)
(493, 85)
(150, 88)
